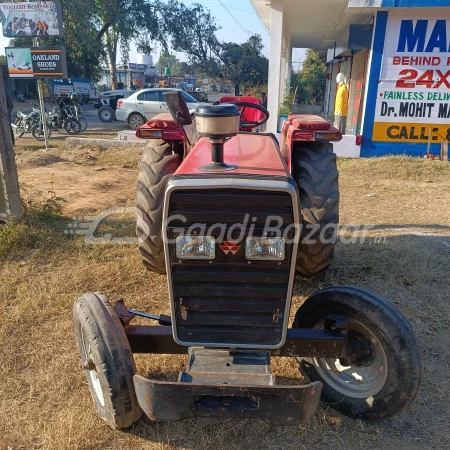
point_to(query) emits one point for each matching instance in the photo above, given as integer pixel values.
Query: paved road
(91, 114)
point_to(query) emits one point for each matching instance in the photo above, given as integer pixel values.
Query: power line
(262, 23)
(232, 7)
(228, 11)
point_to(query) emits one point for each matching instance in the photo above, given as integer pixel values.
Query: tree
(244, 64)
(3, 59)
(167, 60)
(181, 68)
(190, 29)
(312, 78)
(121, 21)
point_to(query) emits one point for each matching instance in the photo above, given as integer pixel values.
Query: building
(395, 55)
(134, 74)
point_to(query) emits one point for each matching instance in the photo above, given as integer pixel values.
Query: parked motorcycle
(59, 117)
(23, 122)
(76, 110)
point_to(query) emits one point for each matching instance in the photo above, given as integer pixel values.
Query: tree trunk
(236, 89)
(111, 48)
(10, 203)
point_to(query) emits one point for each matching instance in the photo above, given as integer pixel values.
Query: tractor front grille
(229, 301)
(229, 307)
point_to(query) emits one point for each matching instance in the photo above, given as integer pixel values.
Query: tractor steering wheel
(255, 106)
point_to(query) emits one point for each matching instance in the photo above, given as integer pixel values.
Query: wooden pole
(10, 202)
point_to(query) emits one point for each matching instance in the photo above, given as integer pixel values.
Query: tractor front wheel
(315, 172)
(383, 369)
(157, 165)
(106, 359)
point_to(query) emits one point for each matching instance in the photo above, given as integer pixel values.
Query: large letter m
(412, 39)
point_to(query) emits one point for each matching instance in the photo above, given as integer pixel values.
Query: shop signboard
(31, 19)
(413, 102)
(36, 62)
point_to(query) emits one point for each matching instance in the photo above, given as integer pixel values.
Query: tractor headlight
(195, 247)
(269, 249)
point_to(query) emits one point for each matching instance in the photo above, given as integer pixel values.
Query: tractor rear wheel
(158, 164)
(315, 172)
(106, 114)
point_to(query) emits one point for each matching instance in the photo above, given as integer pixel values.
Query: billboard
(31, 19)
(413, 102)
(36, 62)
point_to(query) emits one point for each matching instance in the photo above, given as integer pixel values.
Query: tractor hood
(252, 153)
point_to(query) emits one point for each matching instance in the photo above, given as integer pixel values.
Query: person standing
(341, 104)
(264, 100)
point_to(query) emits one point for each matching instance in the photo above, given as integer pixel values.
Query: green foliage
(243, 64)
(256, 90)
(176, 66)
(3, 59)
(167, 60)
(190, 29)
(42, 228)
(181, 68)
(311, 80)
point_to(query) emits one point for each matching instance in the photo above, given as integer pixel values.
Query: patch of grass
(122, 157)
(117, 225)
(41, 228)
(398, 168)
(44, 397)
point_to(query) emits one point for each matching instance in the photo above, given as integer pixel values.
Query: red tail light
(119, 103)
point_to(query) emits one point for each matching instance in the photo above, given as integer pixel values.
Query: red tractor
(232, 218)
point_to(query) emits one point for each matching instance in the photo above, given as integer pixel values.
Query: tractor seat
(308, 122)
(162, 121)
(249, 114)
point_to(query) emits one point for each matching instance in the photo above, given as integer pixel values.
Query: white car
(141, 106)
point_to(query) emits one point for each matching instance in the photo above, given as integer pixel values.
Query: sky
(237, 20)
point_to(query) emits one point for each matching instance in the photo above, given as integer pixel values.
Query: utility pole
(10, 203)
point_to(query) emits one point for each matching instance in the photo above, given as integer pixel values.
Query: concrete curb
(104, 143)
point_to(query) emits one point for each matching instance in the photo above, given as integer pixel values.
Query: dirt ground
(44, 397)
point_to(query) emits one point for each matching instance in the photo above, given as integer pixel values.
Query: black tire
(72, 126)
(17, 134)
(315, 172)
(106, 359)
(37, 131)
(135, 121)
(391, 332)
(106, 114)
(83, 123)
(157, 166)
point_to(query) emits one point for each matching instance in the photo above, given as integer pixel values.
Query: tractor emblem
(230, 246)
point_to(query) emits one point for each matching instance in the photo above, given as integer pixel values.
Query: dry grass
(44, 398)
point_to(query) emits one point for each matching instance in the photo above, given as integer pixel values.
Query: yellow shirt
(341, 105)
